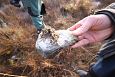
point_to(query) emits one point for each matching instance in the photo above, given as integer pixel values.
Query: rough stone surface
(50, 40)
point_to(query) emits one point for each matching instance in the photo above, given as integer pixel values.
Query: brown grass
(18, 55)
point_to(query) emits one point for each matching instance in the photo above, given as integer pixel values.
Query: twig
(86, 50)
(93, 58)
(24, 69)
(3, 74)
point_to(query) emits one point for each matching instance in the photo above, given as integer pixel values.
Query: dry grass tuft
(16, 37)
(18, 55)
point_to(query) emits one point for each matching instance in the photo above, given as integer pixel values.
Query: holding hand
(92, 29)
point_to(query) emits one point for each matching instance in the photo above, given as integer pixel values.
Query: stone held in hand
(50, 41)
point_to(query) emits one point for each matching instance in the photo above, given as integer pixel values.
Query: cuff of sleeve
(109, 14)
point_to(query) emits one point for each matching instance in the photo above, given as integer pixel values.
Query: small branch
(3, 74)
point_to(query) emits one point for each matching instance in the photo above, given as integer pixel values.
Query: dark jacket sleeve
(108, 48)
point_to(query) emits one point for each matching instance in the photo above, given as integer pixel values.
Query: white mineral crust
(48, 45)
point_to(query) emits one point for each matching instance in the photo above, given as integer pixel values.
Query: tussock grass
(18, 55)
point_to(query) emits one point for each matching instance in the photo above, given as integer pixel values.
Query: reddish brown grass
(18, 55)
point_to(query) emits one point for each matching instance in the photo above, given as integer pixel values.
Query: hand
(92, 29)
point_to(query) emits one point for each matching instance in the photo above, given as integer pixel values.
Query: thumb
(81, 43)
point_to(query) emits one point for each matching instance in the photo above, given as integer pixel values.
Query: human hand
(93, 28)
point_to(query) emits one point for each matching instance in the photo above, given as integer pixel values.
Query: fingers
(74, 27)
(84, 27)
(81, 43)
(93, 36)
(81, 37)
(77, 25)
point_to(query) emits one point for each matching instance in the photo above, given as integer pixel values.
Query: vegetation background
(18, 56)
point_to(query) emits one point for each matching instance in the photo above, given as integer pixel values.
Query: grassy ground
(18, 56)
